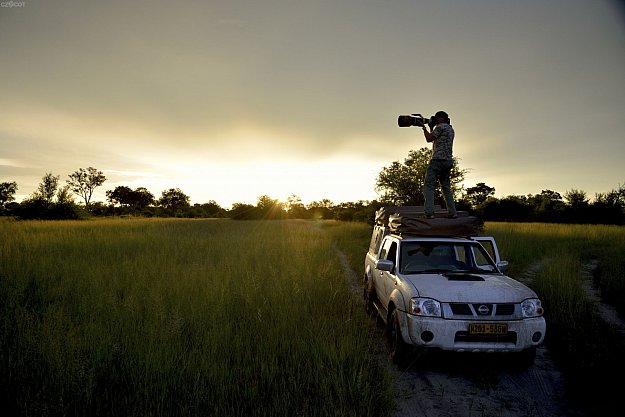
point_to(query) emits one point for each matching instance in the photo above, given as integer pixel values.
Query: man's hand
(428, 136)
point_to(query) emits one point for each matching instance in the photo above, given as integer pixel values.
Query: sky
(230, 100)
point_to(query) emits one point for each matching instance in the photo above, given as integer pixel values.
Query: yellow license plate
(488, 328)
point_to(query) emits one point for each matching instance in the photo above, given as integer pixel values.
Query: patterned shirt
(442, 146)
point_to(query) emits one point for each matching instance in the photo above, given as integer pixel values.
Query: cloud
(149, 87)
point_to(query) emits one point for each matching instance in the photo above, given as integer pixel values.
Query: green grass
(189, 318)
(524, 244)
(139, 317)
(585, 345)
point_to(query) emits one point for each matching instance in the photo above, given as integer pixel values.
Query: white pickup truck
(449, 293)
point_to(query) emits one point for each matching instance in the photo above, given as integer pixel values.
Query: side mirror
(384, 265)
(502, 265)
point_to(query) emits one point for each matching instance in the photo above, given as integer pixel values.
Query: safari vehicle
(447, 291)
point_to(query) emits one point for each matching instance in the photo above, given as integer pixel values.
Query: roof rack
(411, 221)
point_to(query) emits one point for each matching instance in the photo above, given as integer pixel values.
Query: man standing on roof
(439, 168)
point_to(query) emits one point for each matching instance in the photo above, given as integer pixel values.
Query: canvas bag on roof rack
(410, 220)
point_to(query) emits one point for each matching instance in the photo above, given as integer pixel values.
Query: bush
(38, 209)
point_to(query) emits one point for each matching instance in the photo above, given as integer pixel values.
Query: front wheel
(398, 348)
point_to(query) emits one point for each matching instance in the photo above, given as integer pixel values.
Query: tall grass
(352, 238)
(582, 342)
(524, 244)
(171, 317)
(215, 317)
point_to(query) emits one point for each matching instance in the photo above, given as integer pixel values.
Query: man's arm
(428, 135)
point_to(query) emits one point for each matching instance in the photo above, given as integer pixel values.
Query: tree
(242, 211)
(84, 181)
(47, 188)
(173, 199)
(142, 198)
(269, 208)
(43, 204)
(577, 207)
(294, 207)
(7, 192)
(402, 184)
(576, 199)
(547, 206)
(609, 208)
(323, 209)
(352, 211)
(478, 194)
(210, 209)
(64, 196)
(509, 209)
(120, 195)
(125, 196)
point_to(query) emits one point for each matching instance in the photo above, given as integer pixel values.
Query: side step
(382, 312)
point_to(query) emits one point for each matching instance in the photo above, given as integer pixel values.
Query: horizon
(99, 196)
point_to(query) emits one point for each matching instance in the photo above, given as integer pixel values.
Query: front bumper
(453, 334)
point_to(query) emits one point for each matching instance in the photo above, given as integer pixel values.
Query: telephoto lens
(404, 121)
(411, 120)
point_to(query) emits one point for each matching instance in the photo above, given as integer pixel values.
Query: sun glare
(244, 182)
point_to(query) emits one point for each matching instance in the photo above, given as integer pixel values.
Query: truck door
(384, 280)
(490, 245)
(389, 277)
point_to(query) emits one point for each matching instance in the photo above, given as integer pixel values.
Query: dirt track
(445, 384)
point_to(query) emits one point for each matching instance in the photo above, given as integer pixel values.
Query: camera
(415, 119)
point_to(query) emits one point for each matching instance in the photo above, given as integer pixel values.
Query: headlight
(425, 307)
(531, 308)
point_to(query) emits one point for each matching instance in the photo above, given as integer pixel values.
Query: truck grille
(481, 310)
(460, 309)
(504, 309)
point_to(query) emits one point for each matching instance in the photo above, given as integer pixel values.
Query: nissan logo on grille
(483, 310)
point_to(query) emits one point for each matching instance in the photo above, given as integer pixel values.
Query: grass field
(217, 317)
(589, 350)
(167, 317)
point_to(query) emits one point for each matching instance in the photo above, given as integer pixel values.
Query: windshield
(424, 257)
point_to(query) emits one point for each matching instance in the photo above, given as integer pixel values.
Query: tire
(398, 349)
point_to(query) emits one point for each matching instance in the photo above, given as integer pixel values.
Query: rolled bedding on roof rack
(410, 220)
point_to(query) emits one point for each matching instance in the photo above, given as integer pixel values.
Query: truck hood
(454, 288)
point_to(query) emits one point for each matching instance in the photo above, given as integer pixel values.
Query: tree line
(397, 184)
